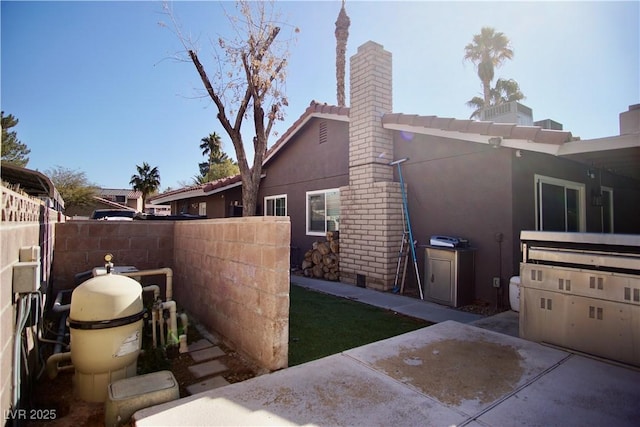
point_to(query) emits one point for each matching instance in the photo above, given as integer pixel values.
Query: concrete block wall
(81, 245)
(371, 206)
(233, 275)
(21, 226)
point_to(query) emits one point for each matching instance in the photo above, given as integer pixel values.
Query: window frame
(565, 184)
(310, 232)
(275, 198)
(608, 190)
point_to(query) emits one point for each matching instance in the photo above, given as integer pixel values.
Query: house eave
(518, 144)
(178, 196)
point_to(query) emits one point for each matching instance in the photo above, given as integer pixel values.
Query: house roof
(314, 110)
(111, 192)
(179, 194)
(478, 130)
(618, 154)
(222, 184)
(112, 204)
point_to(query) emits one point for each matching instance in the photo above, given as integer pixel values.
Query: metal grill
(582, 291)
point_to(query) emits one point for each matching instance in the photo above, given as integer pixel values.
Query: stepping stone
(207, 368)
(205, 385)
(207, 354)
(199, 345)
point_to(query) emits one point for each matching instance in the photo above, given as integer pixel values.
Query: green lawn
(321, 325)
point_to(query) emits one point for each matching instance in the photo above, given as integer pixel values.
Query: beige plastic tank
(105, 322)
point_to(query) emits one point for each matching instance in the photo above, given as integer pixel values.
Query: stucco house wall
(309, 162)
(463, 189)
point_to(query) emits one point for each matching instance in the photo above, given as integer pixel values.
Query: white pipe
(172, 330)
(53, 363)
(185, 322)
(154, 320)
(154, 288)
(24, 309)
(184, 348)
(166, 271)
(161, 323)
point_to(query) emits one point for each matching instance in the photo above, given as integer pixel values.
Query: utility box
(449, 275)
(129, 395)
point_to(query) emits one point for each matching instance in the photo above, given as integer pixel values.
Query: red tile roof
(178, 191)
(504, 130)
(222, 182)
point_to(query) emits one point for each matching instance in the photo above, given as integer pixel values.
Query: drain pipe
(53, 364)
(172, 329)
(185, 322)
(24, 307)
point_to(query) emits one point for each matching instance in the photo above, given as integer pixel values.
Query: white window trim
(274, 198)
(202, 208)
(306, 202)
(579, 187)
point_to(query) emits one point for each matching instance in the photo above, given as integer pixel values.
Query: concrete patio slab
(461, 366)
(206, 354)
(443, 375)
(206, 369)
(580, 392)
(335, 390)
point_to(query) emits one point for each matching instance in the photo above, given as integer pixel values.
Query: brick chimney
(371, 212)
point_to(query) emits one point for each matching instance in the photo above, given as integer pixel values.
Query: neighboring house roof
(179, 194)
(619, 154)
(222, 184)
(111, 203)
(112, 192)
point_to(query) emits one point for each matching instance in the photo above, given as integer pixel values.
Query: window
(323, 211)
(202, 208)
(275, 205)
(607, 209)
(559, 204)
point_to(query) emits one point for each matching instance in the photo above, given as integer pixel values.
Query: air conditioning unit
(511, 112)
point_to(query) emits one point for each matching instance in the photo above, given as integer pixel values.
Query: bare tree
(247, 83)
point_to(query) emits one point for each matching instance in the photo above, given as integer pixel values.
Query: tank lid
(106, 298)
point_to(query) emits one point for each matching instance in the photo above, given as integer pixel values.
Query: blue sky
(96, 88)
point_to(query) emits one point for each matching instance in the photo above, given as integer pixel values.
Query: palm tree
(505, 91)
(488, 51)
(211, 147)
(147, 181)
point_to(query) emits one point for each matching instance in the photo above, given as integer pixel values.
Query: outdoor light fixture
(495, 141)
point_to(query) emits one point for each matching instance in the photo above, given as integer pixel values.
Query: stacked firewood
(322, 261)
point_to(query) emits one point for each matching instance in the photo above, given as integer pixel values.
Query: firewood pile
(322, 261)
